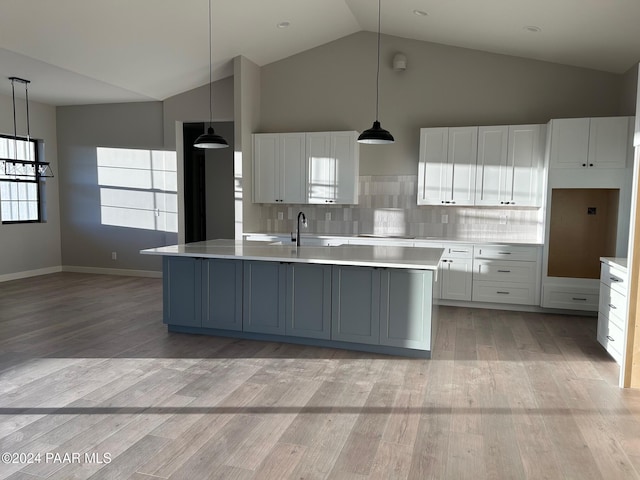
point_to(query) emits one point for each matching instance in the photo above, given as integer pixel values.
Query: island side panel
(405, 308)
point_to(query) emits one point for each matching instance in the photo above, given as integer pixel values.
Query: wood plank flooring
(86, 366)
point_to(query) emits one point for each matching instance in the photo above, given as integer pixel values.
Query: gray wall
(193, 106)
(220, 180)
(629, 91)
(86, 242)
(33, 246)
(247, 114)
(332, 87)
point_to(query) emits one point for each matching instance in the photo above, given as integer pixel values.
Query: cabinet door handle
(612, 306)
(503, 293)
(504, 253)
(584, 164)
(452, 201)
(615, 279)
(459, 251)
(591, 164)
(504, 271)
(610, 338)
(579, 299)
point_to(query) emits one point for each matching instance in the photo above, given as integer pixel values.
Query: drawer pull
(504, 253)
(615, 279)
(504, 271)
(612, 306)
(579, 299)
(610, 338)
(503, 293)
(459, 251)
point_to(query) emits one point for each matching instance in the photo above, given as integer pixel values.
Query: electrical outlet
(327, 216)
(114, 255)
(280, 215)
(503, 219)
(444, 218)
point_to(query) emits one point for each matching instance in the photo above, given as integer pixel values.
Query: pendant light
(376, 134)
(210, 139)
(25, 168)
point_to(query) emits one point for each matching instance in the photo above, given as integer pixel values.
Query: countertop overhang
(419, 258)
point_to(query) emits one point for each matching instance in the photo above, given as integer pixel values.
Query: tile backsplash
(387, 206)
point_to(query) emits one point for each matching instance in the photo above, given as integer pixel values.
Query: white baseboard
(29, 273)
(112, 271)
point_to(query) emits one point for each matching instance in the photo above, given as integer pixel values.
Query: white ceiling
(97, 51)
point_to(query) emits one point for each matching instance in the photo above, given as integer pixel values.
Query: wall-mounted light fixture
(399, 62)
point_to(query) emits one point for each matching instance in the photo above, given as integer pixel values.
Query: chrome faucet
(304, 223)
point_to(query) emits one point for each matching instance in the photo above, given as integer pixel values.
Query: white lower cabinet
(612, 309)
(506, 274)
(569, 295)
(455, 271)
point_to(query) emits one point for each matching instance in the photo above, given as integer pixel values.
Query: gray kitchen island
(368, 298)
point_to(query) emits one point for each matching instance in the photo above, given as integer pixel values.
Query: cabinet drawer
(610, 337)
(503, 271)
(570, 298)
(613, 305)
(506, 252)
(497, 292)
(457, 251)
(613, 277)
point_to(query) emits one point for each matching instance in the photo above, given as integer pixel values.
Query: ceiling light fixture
(210, 139)
(26, 167)
(283, 24)
(376, 134)
(532, 28)
(420, 13)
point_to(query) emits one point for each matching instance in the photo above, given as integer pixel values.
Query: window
(20, 180)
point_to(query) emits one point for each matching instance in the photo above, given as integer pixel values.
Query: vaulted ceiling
(97, 51)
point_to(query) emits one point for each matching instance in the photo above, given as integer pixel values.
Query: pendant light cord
(210, 69)
(15, 127)
(378, 66)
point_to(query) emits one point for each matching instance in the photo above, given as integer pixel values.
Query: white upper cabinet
(433, 165)
(447, 167)
(525, 165)
(301, 168)
(608, 142)
(589, 142)
(333, 168)
(279, 168)
(491, 169)
(510, 165)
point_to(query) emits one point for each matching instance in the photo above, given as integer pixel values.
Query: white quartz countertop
(355, 255)
(615, 261)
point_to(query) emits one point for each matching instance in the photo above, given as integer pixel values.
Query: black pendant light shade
(376, 135)
(210, 140)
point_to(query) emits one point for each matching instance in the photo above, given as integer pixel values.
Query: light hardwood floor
(87, 366)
